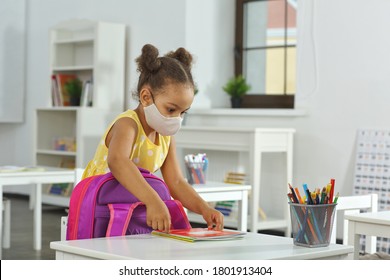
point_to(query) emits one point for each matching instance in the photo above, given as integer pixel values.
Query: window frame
(280, 101)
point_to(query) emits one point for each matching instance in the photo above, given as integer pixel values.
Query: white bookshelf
(93, 51)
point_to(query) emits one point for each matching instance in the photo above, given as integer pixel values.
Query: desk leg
(256, 156)
(31, 199)
(1, 220)
(289, 167)
(243, 212)
(38, 217)
(370, 244)
(353, 239)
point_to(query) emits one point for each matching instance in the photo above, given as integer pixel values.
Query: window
(265, 52)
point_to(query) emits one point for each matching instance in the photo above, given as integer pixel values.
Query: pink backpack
(100, 206)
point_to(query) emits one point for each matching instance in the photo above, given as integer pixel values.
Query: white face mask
(165, 126)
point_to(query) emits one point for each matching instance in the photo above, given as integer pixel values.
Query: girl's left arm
(185, 193)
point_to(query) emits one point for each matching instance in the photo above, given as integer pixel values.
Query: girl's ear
(145, 97)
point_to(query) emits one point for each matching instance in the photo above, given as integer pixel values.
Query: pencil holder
(312, 224)
(196, 172)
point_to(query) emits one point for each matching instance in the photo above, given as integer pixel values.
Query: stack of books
(200, 234)
(235, 178)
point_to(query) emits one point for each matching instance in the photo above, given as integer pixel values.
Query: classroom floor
(22, 230)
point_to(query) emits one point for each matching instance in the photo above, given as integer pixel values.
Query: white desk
(214, 191)
(37, 178)
(371, 224)
(254, 141)
(148, 247)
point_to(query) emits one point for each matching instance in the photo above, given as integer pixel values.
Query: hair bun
(149, 60)
(182, 55)
(156, 72)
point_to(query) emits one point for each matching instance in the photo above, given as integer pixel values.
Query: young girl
(143, 138)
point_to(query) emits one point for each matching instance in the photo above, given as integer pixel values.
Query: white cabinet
(67, 136)
(255, 142)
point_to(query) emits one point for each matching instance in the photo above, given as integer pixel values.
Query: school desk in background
(196, 168)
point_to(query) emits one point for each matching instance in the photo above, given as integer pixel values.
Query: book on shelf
(235, 178)
(86, 94)
(63, 189)
(227, 208)
(55, 94)
(200, 234)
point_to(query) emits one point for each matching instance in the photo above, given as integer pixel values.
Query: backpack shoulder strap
(120, 217)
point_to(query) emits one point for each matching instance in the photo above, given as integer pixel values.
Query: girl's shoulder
(124, 120)
(128, 114)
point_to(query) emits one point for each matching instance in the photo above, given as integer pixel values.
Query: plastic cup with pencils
(196, 168)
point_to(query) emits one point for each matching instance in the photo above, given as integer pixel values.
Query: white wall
(210, 37)
(343, 82)
(158, 22)
(352, 88)
(205, 27)
(12, 57)
(161, 23)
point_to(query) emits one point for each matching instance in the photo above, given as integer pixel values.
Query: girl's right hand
(158, 217)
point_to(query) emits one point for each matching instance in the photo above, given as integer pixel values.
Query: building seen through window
(265, 51)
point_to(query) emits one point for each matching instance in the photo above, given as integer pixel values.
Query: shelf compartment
(65, 126)
(56, 160)
(73, 54)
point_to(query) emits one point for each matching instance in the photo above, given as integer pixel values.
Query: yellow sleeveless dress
(145, 153)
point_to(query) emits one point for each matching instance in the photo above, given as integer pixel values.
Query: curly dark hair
(156, 71)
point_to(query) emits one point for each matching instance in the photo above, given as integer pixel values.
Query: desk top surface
(381, 217)
(220, 186)
(36, 170)
(37, 175)
(145, 246)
